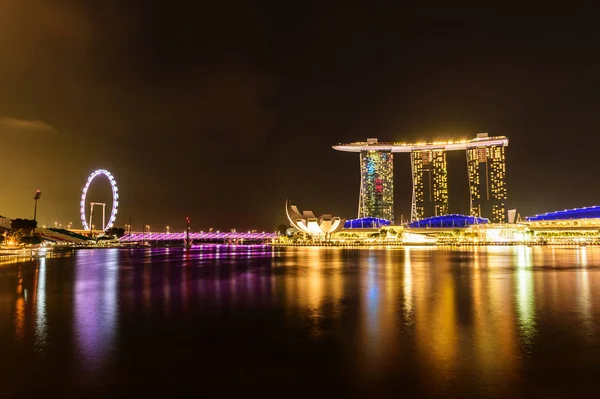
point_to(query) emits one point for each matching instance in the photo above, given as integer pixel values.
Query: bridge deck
(197, 236)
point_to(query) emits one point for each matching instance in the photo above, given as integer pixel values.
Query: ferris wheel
(115, 201)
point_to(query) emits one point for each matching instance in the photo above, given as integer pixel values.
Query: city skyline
(316, 198)
(196, 110)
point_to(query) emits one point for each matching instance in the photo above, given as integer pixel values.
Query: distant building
(485, 162)
(448, 221)
(487, 181)
(588, 212)
(430, 183)
(376, 185)
(315, 226)
(365, 223)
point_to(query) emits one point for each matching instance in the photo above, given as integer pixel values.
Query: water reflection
(525, 295)
(408, 288)
(41, 325)
(583, 293)
(431, 320)
(20, 306)
(436, 326)
(95, 305)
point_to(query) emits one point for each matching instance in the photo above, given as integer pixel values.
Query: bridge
(62, 236)
(200, 237)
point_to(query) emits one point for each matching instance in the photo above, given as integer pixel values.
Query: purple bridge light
(197, 236)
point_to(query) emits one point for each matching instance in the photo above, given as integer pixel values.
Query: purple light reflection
(96, 291)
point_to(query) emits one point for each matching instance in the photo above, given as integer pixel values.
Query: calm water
(502, 321)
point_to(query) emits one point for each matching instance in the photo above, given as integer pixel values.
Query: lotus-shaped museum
(322, 226)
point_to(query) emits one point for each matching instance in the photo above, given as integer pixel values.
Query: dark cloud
(13, 125)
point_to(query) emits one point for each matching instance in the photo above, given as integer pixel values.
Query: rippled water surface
(225, 320)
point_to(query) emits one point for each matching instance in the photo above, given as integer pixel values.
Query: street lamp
(148, 227)
(36, 197)
(168, 229)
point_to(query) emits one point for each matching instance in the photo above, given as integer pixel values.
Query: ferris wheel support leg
(91, 215)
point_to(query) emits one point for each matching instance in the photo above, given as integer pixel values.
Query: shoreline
(42, 251)
(400, 245)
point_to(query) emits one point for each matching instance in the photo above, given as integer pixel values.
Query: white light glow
(115, 195)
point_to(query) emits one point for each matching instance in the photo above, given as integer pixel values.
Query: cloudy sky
(222, 111)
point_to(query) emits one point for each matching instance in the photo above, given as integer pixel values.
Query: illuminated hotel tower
(487, 182)
(376, 185)
(485, 163)
(430, 183)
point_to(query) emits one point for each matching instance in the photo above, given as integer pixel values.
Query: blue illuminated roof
(454, 220)
(365, 223)
(589, 212)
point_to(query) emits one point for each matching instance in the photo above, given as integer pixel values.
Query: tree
(116, 231)
(21, 228)
(23, 224)
(33, 240)
(292, 232)
(281, 229)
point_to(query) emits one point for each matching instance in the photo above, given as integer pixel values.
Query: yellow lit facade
(487, 182)
(377, 185)
(430, 183)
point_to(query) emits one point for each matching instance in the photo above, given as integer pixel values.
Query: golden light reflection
(493, 322)
(20, 306)
(372, 319)
(337, 281)
(408, 288)
(433, 336)
(389, 276)
(443, 340)
(313, 292)
(313, 284)
(584, 296)
(525, 295)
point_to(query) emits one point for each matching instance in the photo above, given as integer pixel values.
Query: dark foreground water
(257, 322)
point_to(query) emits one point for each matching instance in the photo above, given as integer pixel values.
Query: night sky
(222, 111)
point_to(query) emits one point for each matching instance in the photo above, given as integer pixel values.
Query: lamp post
(36, 197)
(168, 229)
